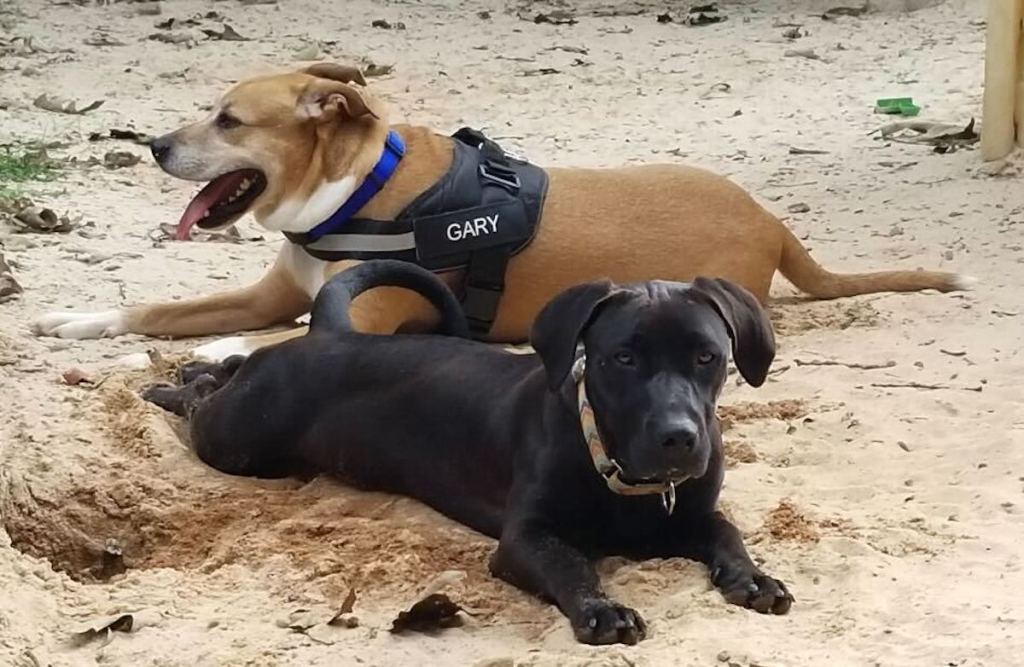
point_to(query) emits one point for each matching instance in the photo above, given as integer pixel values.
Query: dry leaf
(810, 54)
(57, 105)
(543, 71)
(42, 220)
(555, 17)
(924, 132)
(303, 619)
(102, 39)
(167, 232)
(434, 612)
(378, 70)
(75, 376)
(127, 622)
(126, 135)
(347, 606)
(9, 287)
(228, 34)
(111, 562)
(172, 37)
(317, 623)
(385, 25)
(120, 159)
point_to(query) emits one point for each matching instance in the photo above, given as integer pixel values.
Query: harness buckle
(480, 303)
(501, 175)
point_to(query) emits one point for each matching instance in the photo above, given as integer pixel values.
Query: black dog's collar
(606, 466)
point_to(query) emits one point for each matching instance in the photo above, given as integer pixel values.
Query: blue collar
(394, 149)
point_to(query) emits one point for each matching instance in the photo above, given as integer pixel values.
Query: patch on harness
(484, 210)
(448, 239)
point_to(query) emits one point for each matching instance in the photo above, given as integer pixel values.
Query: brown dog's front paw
(756, 591)
(605, 622)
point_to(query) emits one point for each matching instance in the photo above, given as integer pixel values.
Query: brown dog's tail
(799, 268)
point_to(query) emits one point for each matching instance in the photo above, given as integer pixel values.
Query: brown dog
(292, 148)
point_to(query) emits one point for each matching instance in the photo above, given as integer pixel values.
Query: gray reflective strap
(364, 243)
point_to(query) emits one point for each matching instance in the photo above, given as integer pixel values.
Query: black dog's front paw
(163, 395)
(181, 400)
(222, 371)
(755, 590)
(605, 622)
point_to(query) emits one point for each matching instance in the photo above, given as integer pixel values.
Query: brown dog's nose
(160, 147)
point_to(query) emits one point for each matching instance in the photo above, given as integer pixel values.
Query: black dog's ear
(753, 342)
(560, 324)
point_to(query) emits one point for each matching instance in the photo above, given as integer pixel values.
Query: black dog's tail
(331, 308)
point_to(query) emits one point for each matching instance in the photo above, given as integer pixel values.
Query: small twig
(953, 353)
(804, 53)
(918, 385)
(826, 362)
(720, 87)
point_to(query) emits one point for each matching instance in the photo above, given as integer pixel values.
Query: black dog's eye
(226, 121)
(624, 358)
(705, 358)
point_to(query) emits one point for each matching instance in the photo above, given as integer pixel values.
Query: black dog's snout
(678, 434)
(160, 147)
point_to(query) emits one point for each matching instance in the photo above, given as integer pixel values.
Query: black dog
(561, 463)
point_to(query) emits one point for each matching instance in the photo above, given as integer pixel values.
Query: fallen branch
(863, 367)
(918, 385)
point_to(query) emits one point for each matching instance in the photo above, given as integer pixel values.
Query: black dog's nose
(160, 147)
(679, 434)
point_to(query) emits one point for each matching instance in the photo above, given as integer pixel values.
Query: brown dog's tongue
(216, 191)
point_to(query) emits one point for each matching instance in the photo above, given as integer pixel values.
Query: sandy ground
(893, 512)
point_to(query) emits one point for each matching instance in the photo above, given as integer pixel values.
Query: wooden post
(1003, 102)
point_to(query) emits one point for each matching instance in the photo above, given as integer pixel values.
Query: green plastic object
(901, 106)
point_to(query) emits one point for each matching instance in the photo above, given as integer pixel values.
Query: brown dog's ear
(560, 325)
(753, 341)
(331, 93)
(335, 72)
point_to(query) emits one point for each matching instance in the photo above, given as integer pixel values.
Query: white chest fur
(303, 214)
(307, 271)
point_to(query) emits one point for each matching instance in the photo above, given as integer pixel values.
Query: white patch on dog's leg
(965, 283)
(219, 350)
(302, 215)
(104, 324)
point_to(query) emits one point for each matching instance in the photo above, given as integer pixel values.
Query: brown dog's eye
(226, 121)
(624, 358)
(705, 358)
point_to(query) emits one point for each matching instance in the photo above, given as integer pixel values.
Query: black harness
(484, 210)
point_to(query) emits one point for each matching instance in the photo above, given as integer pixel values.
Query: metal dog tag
(668, 498)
